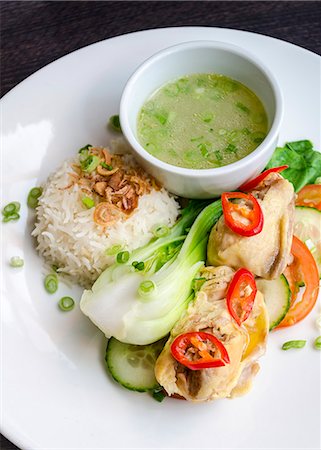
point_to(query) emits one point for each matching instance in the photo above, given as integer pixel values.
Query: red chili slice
(248, 186)
(250, 220)
(240, 295)
(198, 350)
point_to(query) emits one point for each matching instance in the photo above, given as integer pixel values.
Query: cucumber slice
(133, 365)
(277, 297)
(307, 227)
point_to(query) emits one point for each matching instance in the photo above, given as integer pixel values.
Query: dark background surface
(34, 34)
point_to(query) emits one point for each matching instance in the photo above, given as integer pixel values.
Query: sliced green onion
(113, 250)
(88, 202)
(11, 208)
(158, 394)
(207, 117)
(139, 265)
(114, 122)
(204, 150)
(317, 180)
(197, 138)
(16, 261)
(8, 218)
(84, 149)
(258, 137)
(293, 344)
(106, 166)
(146, 287)
(51, 283)
(222, 131)
(162, 118)
(242, 107)
(198, 283)
(218, 155)
(160, 231)
(55, 267)
(66, 303)
(317, 343)
(231, 148)
(122, 257)
(33, 197)
(90, 163)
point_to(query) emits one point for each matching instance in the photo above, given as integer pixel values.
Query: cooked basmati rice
(69, 238)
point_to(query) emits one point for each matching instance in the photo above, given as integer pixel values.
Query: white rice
(69, 238)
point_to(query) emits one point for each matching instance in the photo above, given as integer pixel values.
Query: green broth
(201, 121)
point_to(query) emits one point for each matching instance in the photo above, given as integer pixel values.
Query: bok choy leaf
(119, 306)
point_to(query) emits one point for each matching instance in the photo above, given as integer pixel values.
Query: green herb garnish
(293, 344)
(317, 343)
(66, 303)
(33, 197)
(88, 202)
(16, 262)
(114, 122)
(10, 212)
(122, 257)
(90, 163)
(51, 283)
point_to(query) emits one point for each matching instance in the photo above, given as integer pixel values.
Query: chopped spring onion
(242, 107)
(122, 257)
(90, 163)
(16, 261)
(51, 283)
(198, 283)
(113, 250)
(317, 343)
(114, 122)
(146, 287)
(317, 180)
(139, 265)
(106, 166)
(231, 148)
(10, 212)
(55, 268)
(66, 303)
(33, 196)
(293, 344)
(84, 149)
(158, 394)
(160, 231)
(88, 202)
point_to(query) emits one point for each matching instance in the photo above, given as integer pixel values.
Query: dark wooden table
(34, 34)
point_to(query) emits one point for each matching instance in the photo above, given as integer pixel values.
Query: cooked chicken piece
(267, 253)
(244, 344)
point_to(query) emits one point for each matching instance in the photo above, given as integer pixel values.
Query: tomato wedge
(241, 295)
(244, 218)
(253, 183)
(199, 350)
(310, 195)
(308, 268)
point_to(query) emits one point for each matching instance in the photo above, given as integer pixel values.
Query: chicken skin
(267, 253)
(244, 344)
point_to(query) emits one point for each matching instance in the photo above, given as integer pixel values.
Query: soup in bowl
(202, 117)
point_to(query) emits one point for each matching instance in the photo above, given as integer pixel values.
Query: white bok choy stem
(116, 304)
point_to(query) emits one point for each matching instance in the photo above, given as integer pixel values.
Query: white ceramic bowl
(202, 57)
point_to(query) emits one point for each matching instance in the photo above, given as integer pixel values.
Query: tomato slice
(310, 195)
(199, 350)
(249, 185)
(244, 218)
(304, 264)
(241, 295)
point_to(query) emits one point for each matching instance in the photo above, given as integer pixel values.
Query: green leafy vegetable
(304, 163)
(158, 394)
(116, 303)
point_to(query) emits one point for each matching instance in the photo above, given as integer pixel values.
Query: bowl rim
(196, 173)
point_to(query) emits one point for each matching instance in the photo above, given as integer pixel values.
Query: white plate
(55, 391)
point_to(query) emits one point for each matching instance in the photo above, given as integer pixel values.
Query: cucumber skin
(278, 321)
(117, 379)
(287, 307)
